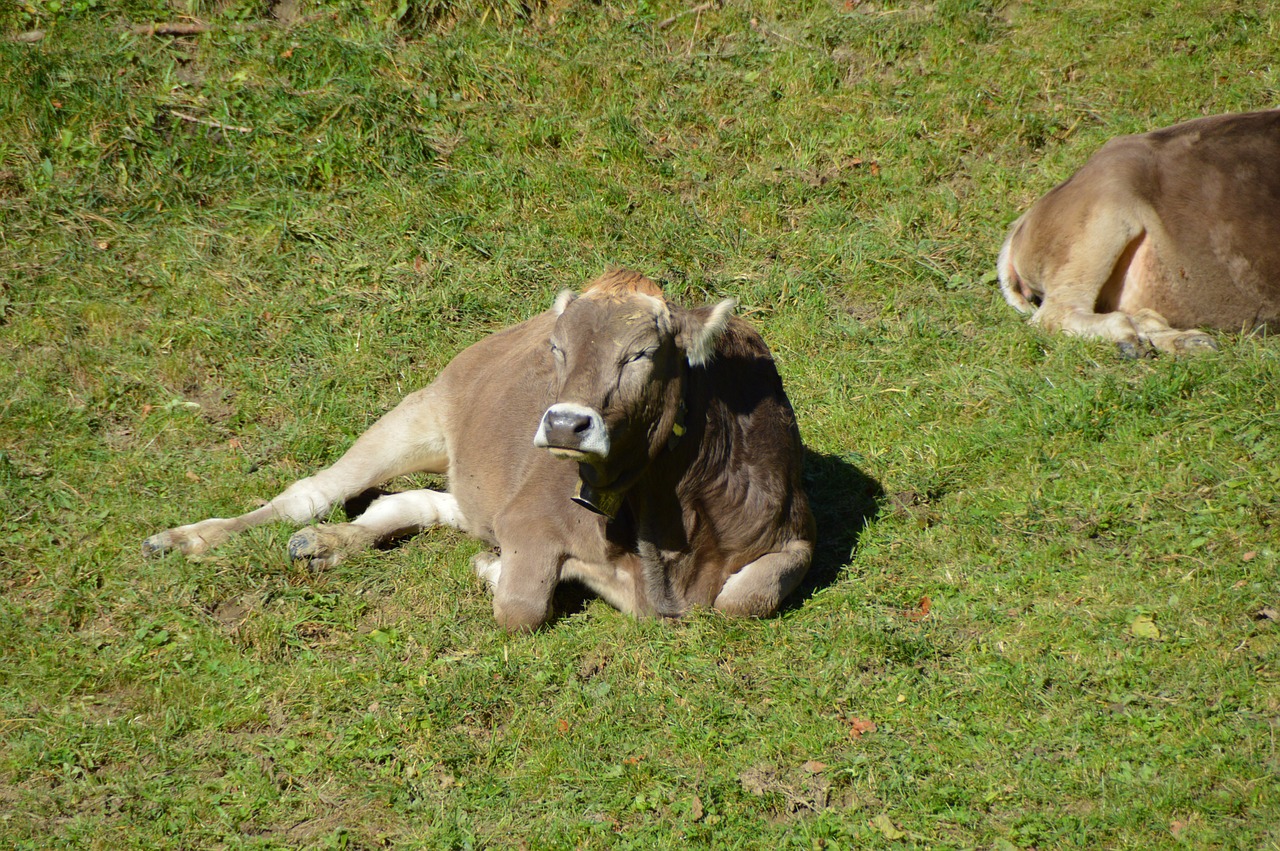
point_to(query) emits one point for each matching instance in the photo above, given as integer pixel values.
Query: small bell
(601, 502)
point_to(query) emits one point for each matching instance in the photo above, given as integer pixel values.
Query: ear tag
(678, 429)
(606, 503)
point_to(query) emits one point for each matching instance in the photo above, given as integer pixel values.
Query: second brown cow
(1157, 235)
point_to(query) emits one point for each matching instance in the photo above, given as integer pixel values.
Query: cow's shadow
(844, 499)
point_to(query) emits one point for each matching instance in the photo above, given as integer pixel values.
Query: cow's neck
(658, 520)
(608, 501)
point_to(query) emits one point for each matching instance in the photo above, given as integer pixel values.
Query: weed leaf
(1144, 626)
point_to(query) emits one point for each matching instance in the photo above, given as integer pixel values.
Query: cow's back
(1217, 201)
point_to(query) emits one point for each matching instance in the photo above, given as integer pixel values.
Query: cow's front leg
(390, 516)
(524, 581)
(410, 438)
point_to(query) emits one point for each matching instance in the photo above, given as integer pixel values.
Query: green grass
(192, 316)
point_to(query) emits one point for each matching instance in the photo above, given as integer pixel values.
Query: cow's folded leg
(390, 516)
(760, 587)
(1136, 334)
(1152, 326)
(1115, 326)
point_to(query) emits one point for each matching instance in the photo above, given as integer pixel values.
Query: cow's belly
(1199, 286)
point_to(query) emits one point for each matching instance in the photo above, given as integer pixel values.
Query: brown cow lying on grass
(1157, 233)
(642, 449)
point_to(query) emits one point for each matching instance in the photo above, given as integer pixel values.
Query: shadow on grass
(844, 500)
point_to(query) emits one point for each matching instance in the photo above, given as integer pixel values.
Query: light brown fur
(677, 415)
(1156, 235)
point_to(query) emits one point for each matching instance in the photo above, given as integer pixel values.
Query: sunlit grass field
(1043, 612)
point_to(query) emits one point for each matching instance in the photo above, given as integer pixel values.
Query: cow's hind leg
(1134, 333)
(759, 588)
(1115, 326)
(409, 438)
(390, 516)
(1080, 279)
(1152, 327)
(1082, 293)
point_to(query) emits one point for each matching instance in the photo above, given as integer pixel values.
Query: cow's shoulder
(742, 384)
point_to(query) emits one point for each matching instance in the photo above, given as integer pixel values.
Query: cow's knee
(759, 588)
(523, 591)
(520, 614)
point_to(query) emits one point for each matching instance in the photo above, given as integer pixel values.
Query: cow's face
(620, 364)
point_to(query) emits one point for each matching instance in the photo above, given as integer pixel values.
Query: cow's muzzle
(569, 430)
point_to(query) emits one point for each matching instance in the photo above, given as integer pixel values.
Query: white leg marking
(389, 516)
(489, 568)
(411, 511)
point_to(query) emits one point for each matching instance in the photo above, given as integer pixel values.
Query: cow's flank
(619, 440)
(1155, 236)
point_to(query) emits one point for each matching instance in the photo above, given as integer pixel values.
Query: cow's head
(621, 355)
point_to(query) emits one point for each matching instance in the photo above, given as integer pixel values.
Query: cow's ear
(562, 301)
(699, 331)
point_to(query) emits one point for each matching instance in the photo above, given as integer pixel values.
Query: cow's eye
(557, 352)
(643, 354)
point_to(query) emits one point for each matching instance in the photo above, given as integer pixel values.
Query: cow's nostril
(569, 421)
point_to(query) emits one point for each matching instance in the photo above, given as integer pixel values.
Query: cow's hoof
(314, 546)
(326, 546)
(157, 545)
(188, 542)
(1134, 349)
(1194, 344)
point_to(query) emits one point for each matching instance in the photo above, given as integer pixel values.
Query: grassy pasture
(1043, 610)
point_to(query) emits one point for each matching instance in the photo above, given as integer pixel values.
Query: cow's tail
(1011, 284)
